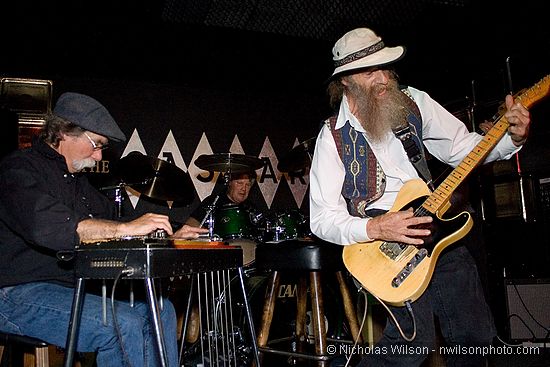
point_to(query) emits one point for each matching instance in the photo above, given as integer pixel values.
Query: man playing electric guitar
(368, 161)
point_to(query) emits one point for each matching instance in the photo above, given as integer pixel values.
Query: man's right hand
(145, 224)
(398, 227)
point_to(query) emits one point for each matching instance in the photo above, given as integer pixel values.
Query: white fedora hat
(362, 48)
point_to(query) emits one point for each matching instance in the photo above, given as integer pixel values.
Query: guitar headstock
(535, 93)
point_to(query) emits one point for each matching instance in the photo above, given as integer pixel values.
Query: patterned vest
(365, 180)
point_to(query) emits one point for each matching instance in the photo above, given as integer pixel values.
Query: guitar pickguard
(439, 228)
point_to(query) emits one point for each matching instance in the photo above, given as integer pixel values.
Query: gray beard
(80, 164)
(378, 114)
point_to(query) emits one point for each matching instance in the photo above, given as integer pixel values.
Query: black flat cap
(89, 114)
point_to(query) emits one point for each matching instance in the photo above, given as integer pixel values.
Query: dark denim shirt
(41, 204)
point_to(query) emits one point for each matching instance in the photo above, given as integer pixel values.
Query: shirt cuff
(358, 230)
(507, 146)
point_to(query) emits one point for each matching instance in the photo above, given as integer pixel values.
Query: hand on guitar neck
(517, 116)
(400, 226)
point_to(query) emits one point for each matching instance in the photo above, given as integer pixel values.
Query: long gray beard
(378, 114)
(80, 164)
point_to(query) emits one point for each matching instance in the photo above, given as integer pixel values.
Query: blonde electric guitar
(396, 272)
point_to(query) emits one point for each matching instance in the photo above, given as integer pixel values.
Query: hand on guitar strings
(398, 227)
(519, 119)
(188, 232)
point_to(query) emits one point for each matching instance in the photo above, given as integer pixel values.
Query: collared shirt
(445, 137)
(41, 204)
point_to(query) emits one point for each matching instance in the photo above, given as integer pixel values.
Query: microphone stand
(518, 165)
(472, 116)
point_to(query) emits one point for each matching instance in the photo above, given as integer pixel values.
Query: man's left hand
(519, 119)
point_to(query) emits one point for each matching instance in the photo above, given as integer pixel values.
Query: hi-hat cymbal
(299, 157)
(228, 162)
(155, 178)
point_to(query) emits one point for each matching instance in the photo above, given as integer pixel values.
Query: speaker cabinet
(30, 99)
(528, 302)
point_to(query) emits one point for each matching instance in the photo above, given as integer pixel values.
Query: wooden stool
(40, 356)
(313, 258)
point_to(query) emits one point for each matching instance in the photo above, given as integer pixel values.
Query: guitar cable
(411, 313)
(365, 296)
(115, 320)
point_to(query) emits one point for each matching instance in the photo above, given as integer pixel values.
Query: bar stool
(315, 258)
(40, 356)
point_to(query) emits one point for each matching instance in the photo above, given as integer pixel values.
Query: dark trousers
(455, 297)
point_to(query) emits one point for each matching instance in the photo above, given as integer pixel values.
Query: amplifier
(527, 303)
(544, 197)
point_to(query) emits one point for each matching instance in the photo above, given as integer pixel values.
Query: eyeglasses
(96, 146)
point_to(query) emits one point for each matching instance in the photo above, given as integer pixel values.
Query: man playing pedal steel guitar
(47, 206)
(360, 165)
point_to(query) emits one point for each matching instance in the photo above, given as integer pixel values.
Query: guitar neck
(440, 197)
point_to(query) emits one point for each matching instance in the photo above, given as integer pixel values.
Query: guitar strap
(416, 156)
(407, 135)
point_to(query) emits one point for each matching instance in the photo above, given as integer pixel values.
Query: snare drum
(233, 225)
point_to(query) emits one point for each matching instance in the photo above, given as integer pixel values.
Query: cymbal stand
(118, 199)
(118, 196)
(118, 193)
(118, 214)
(209, 218)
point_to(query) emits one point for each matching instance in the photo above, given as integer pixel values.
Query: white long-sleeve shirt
(445, 137)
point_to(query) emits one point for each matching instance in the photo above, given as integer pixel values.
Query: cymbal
(228, 162)
(299, 157)
(155, 178)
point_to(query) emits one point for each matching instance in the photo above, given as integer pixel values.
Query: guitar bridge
(407, 269)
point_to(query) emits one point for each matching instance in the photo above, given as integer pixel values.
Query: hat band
(360, 54)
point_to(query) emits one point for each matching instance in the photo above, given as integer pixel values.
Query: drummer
(47, 206)
(236, 194)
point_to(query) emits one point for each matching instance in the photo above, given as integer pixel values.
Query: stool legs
(269, 306)
(301, 308)
(318, 313)
(39, 358)
(349, 308)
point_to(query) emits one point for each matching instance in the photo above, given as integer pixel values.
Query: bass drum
(233, 225)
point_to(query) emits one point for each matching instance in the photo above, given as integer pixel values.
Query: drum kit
(246, 227)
